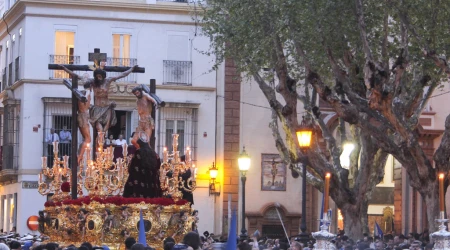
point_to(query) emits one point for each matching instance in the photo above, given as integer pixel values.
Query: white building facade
(161, 36)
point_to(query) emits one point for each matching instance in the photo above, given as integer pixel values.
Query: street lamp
(347, 149)
(304, 136)
(244, 165)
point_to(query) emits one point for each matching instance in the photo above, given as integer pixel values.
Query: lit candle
(441, 193)
(188, 154)
(44, 162)
(326, 192)
(66, 161)
(124, 150)
(55, 147)
(165, 154)
(194, 172)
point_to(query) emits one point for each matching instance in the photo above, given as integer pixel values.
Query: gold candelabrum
(171, 171)
(101, 176)
(104, 177)
(56, 175)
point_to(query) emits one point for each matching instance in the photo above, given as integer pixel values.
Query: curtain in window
(121, 50)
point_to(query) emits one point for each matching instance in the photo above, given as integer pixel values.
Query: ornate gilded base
(110, 224)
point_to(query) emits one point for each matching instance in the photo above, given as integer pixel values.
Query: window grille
(57, 115)
(177, 72)
(181, 119)
(10, 150)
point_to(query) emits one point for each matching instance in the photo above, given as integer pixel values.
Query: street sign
(30, 185)
(33, 223)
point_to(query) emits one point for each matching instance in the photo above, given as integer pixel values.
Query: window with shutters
(177, 69)
(181, 119)
(10, 149)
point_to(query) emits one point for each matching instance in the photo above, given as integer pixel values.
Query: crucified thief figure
(146, 124)
(101, 115)
(83, 124)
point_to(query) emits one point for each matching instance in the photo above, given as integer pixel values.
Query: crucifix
(102, 113)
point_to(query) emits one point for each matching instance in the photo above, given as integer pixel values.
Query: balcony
(62, 59)
(177, 72)
(122, 62)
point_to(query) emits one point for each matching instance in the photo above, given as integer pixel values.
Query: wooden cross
(96, 56)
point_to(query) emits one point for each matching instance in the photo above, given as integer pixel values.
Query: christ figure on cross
(101, 115)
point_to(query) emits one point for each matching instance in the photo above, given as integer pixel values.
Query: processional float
(103, 216)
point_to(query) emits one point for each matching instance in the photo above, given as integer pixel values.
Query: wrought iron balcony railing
(123, 62)
(177, 72)
(62, 59)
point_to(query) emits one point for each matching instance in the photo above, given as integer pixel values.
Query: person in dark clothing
(143, 179)
(185, 176)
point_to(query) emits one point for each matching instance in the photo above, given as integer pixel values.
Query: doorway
(121, 126)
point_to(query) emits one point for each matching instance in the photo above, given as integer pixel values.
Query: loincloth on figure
(83, 119)
(145, 123)
(102, 115)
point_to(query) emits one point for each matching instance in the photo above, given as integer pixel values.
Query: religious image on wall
(273, 173)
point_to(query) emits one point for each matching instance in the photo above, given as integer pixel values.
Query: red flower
(117, 200)
(65, 187)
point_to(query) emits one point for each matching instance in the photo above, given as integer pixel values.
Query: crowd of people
(343, 242)
(13, 241)
(193, 241)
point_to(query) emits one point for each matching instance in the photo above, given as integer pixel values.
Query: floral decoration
(116, 200)
(65, 187)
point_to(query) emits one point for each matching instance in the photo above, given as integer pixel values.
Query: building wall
(257, 138)
(94, 24)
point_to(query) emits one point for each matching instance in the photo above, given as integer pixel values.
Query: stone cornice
(117, 90)
(18, 11)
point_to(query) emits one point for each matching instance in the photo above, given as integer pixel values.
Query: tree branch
(362, 30)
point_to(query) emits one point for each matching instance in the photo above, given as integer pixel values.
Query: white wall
(257, 138)
(148, 42)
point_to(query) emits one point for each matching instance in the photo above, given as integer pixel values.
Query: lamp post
(347, 149)
(304, 136)
(244, 165)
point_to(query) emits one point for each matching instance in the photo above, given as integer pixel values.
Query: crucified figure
(101, 115)
(146, 124)
(83, 124)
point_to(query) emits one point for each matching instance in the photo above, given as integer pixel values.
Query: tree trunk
(355, 220)
(431, 197)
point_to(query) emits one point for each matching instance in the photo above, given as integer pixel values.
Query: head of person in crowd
(192, 239)
(129, 242)
(138, 246)
(15, 245)
(169, 245)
